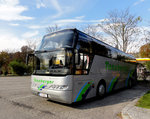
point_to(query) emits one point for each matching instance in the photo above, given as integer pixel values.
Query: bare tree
(51, 29)
(146, 35)
(93, 31)
(121, 26)
(32, 43)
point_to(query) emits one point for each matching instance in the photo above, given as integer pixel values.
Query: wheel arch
(102, 81)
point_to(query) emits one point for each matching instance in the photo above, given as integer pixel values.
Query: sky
(22, 21)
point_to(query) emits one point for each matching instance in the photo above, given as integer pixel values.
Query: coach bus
(71, 66)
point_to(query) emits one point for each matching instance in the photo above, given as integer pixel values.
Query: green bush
(5, 73)
(4, 70)
(18, 68)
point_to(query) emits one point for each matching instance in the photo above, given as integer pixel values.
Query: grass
(119, 115)
(144, 101)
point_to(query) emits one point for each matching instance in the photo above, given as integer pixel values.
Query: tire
(101, 90)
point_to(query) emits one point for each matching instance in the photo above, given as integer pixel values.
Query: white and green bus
(71, 66)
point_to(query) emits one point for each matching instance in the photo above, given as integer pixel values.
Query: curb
(124, 112)
(130, 111)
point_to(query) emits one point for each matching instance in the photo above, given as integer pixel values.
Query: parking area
(17, 102)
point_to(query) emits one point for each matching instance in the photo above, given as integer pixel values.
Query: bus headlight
(58, 87)
(34, 85)
(63, 87)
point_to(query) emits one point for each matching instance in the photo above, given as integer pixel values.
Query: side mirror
(27, 57)
(77, 58)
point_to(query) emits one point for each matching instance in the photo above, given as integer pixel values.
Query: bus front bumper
(63, 96)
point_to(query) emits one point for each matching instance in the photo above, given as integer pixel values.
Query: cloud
(30, 34)
(80, 17)
(67, 22)
(138, 2)
(10, 42)
(11, 10)
(40, 4)
(14, 24)
(35, 26)
(78, 20)
(58, 6)
(48, 3)
(147, 28)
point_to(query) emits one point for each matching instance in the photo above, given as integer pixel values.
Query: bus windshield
(53, 63)
(56, 41)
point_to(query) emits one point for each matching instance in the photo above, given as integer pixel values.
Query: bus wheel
(101, 90)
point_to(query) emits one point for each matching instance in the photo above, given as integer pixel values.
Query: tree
(21, 56)
(146, 35)
(93, 30)
(25, 50)
(145, 53)
(121, 26)
(51, 29)
(32, 43)
(4, 61)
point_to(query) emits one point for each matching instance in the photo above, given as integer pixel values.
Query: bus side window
(83, 67)
(80, 66)
(86, 62)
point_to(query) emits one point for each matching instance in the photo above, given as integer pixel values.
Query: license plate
(43, 95)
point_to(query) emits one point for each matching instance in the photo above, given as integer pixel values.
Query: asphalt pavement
(17, 102)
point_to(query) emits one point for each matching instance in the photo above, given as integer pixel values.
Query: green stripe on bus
(40, 87)
(112, 84)
(83, 91)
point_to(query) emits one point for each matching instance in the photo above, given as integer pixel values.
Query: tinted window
(114, 54)
(84, 43)
(101, 50)
(57, 40)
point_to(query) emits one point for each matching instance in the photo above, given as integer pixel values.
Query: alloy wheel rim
(101, 89)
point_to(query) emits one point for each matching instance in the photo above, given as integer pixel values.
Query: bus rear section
(52, 87)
